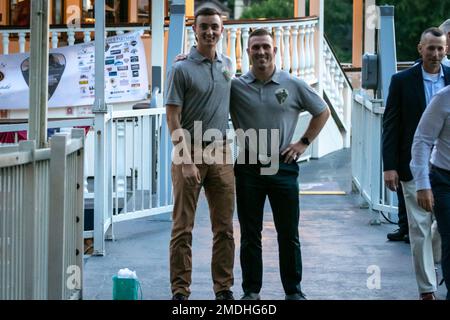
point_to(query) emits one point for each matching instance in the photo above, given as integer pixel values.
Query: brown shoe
(427, 296)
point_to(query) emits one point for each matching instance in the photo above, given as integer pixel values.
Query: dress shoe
(295, 296)
(427, 296)
(251, 296)
(397, 235)
(224, 295)
(179, 296)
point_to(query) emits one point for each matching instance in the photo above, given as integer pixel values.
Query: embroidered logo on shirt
(281, 95)
(226, 73)
(2, 76)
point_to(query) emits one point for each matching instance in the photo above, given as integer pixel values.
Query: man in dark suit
(410, 92)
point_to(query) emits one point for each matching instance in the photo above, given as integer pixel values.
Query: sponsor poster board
(71, 80)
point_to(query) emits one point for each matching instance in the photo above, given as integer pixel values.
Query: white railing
(367, 170)
(140, 164)
(338, 90)
(58, 36)
(294, 38)
(41, 219)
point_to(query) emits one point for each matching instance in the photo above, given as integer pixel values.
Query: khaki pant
(424, 238)
(218, 182)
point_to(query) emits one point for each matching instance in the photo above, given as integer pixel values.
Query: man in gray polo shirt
(270, 99)
(433, 186)
(197, 99)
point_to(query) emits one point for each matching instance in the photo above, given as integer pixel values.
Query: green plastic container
(126, 288)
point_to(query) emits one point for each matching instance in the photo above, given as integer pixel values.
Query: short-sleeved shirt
(201, 87)
(274, 104)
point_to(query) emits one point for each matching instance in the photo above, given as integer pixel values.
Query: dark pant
(283, 192)
(402, 216)
(440, 183)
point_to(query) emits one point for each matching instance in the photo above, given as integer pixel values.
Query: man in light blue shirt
(445, 27)
(433, 188)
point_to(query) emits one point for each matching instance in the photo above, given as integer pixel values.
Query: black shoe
(224, 295)
(251, 296)
(397, 235)
(179, 296)
(295, 296)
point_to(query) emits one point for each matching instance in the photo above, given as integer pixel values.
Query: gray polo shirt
(202, 89)
(274, 104)
(433, 129)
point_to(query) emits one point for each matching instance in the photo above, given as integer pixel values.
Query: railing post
(233, 48)
(56, 229)
(312, 54)
(245, 65)
(295, 50)
(5, 42)
(79, 207)
(302, 52)
(54, 39)
(307, 53)
(100, 109)
(30, 214)
(22, 42)
(286, 49)
(278, 44)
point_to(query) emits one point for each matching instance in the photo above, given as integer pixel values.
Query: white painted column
(158, 53)
(5, 42)
(286, 49)
(245, 63)
(295, 51)
(278, 44)
(302, 51)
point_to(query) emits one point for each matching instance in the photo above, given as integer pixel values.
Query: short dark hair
(207, 11)
(259, 32)
(434, 31)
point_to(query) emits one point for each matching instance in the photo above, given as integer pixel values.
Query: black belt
(440, 169)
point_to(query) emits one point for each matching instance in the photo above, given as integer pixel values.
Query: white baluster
(219, 45)
(54, 39)
(325, 70)
(332, 81)
(295, 51)
(328, 75)
(307, 53)
(336, 83)
(340, 81)
(22, 42)
(225, 42)
(5, 42)
(233, 48)
(245, 65)
(278, 42)
(287, 49)
(191, 40)
(121, 171)
(302, 51)
(313, 52)
(71, 38)
(87, 36)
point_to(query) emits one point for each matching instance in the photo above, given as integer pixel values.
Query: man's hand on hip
(391, 179)
(191, 174)
(425, 199)
(293, 152)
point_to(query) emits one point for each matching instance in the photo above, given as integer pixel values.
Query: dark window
(116, 11)
(20, 12)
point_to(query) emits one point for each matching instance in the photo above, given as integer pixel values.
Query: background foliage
(411, 18)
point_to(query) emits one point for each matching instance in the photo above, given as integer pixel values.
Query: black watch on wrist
(305, 141)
